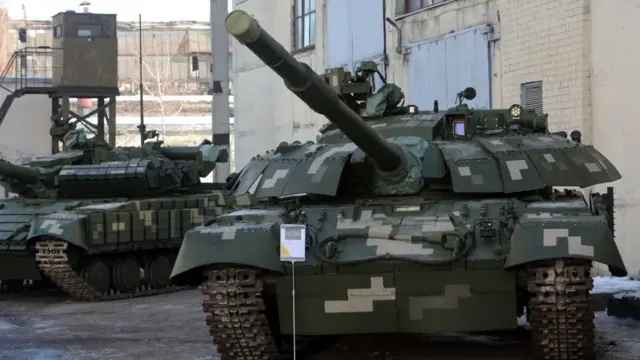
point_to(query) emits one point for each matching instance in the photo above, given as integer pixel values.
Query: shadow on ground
(46, 325)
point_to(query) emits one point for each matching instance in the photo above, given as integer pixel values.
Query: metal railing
(31, 67)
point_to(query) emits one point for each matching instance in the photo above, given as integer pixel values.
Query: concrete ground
(48, 326)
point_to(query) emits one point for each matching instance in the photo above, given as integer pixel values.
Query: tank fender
(253, 244)
(64, 226)
(551, 236)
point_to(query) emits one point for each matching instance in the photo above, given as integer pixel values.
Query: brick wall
(539, 40)
(4, 44)
(548, 41)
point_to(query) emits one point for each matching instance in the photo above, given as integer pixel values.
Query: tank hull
(17, 261)
(122, 236)
(19, 266)
(399, 266)
(482, 240)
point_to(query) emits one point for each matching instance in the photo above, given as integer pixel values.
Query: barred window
(304, 25)
(414, 5)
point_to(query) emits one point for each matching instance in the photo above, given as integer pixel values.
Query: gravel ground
(46, 325)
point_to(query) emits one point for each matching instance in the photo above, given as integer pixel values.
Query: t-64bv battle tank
(416, 222)
(89, 219)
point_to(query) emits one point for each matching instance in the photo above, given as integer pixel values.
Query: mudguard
(245, 237)
(65, 226)
(546, 236)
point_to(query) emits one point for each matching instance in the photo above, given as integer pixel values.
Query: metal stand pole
(293, 296)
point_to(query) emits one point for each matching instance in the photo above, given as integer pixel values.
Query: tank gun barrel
(205, 156)
(313, 90)
(178, 153)
(24, 174)
(205, 151)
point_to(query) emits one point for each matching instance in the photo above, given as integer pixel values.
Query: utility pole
(220, 83)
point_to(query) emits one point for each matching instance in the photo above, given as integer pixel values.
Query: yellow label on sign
(284, 253)
(293, 242)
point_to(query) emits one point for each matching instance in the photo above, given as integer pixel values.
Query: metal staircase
(12, 94)
(6, 104)
(26, 63)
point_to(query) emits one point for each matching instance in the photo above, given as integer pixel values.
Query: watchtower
(82, 63)
(85, 51)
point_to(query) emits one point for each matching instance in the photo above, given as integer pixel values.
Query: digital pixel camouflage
(417, 221)
(93, 218)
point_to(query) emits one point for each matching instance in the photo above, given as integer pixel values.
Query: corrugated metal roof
(158, 39)
(186, 124)
(122, 25)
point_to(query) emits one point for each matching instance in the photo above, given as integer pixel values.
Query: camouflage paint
(84, 196)
(412, 225)
(130, 225)
(16, 214)
(343, 294)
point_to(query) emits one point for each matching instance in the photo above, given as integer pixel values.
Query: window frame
(424, 4)
(91, 28)
(58, 31)
(300, 17)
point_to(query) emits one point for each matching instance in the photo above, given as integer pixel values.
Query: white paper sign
(293, 241)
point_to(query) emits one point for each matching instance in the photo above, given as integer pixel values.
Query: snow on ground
(619, 286)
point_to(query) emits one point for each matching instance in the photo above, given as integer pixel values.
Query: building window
(414, 5)
(89, 30)
(304, 25)
(531, 96)
(57, 31)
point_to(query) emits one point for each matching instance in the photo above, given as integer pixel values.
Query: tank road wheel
(559, 311)
(126, 275)
(157, 271)
(236, 315)
(96, 274)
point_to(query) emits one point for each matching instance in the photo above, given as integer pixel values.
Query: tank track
(51, 257)
(236, 315)
(559, 311)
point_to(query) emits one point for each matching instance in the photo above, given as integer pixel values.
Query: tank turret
(397, 163)
(112, 172)
(137, 172)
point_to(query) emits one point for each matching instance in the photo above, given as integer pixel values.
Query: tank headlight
(515, 111)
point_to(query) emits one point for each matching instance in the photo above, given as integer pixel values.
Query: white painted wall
(548, 41)
(25, 130)
(615, 87)
(434, 22)
(538, 40)
(266, 113)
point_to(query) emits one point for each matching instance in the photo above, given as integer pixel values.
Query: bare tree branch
(160, 82)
